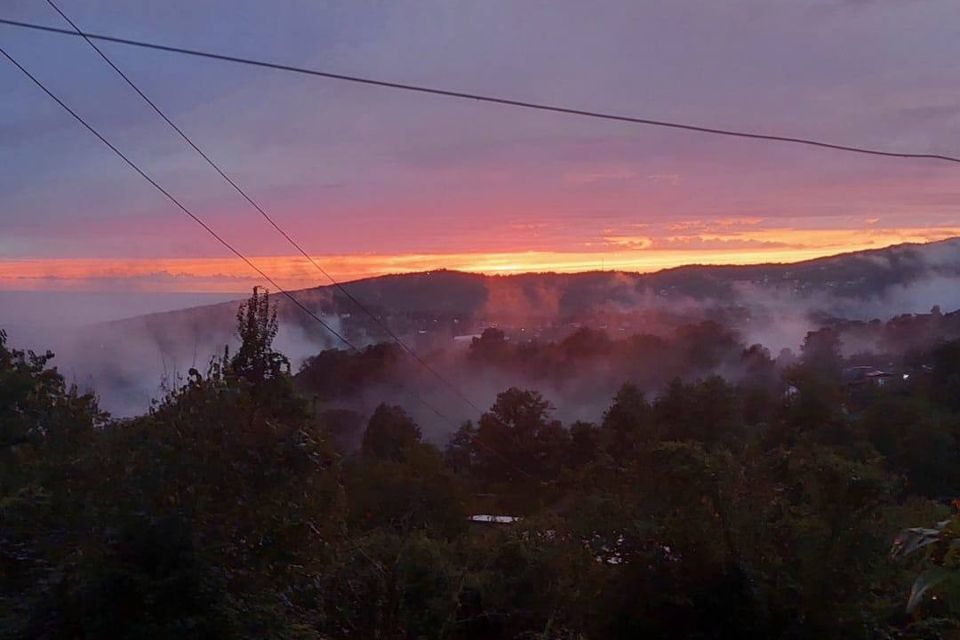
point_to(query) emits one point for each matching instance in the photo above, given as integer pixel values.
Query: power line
(488, 98)
(172, 199)
(195, 218)
(235, 251)
(266, 216)
(226, 244)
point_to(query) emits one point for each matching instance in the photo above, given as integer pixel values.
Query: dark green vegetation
(236, 508)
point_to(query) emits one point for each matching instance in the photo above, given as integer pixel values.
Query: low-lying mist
(575, 338)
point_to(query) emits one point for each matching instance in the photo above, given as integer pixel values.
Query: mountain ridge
(774, 304)
(904, 262)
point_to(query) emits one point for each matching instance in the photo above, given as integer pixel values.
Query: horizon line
(214, 274)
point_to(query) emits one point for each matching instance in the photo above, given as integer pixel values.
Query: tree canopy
(243, 505)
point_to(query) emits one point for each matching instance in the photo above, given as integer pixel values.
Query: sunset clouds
(621, 253)
(372, 181)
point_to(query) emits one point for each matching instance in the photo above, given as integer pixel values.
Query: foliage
(390, 434)
(757, 506)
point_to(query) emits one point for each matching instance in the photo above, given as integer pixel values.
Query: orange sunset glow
(374, 181)
(231, 275)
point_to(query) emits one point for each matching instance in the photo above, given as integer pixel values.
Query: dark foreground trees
(710, 510)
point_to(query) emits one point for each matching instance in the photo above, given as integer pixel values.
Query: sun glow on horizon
(230, 275)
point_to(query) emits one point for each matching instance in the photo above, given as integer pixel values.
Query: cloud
(672, 179)
(717, 243)
(429, 175)
(600, 176)
(628, 251)
(629, 242)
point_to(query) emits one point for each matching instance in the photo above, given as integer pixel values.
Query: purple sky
(359, 172)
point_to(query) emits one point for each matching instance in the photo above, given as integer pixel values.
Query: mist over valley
(130, 362)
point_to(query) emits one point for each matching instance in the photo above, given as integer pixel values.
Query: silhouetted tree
(257, 327)
(821, 354)
(390, 434)
(627, 424)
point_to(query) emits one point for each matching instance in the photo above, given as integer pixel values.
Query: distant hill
(774, 304)
(861, 274)
(836, 283)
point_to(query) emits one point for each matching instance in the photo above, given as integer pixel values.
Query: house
(856, 376)
(490, 519)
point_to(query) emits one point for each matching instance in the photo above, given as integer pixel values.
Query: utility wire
(176, 202)
(195, 218)
(235, 251)
(267, 217)
(226, 244)
(488, 98)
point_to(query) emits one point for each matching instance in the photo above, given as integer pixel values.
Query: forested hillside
(248, 503)
(126, 361)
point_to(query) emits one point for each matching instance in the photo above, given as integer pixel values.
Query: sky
(374, 181)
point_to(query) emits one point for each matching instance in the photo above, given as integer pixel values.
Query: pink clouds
(382, 181)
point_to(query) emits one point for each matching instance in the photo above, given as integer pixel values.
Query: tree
(706, 411)
(207, 517)
(627, 424)
(390, 434)
(517, 434)
(336, 374)
(38, 408)
(491, 347)
(821, 354)
(705, 345)
(916, 440)
(257, 326)
(47, 430)
(516, 451)
(946, 375)
(585, 343)
(713, 510)
(585, 441)
(414, 493)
